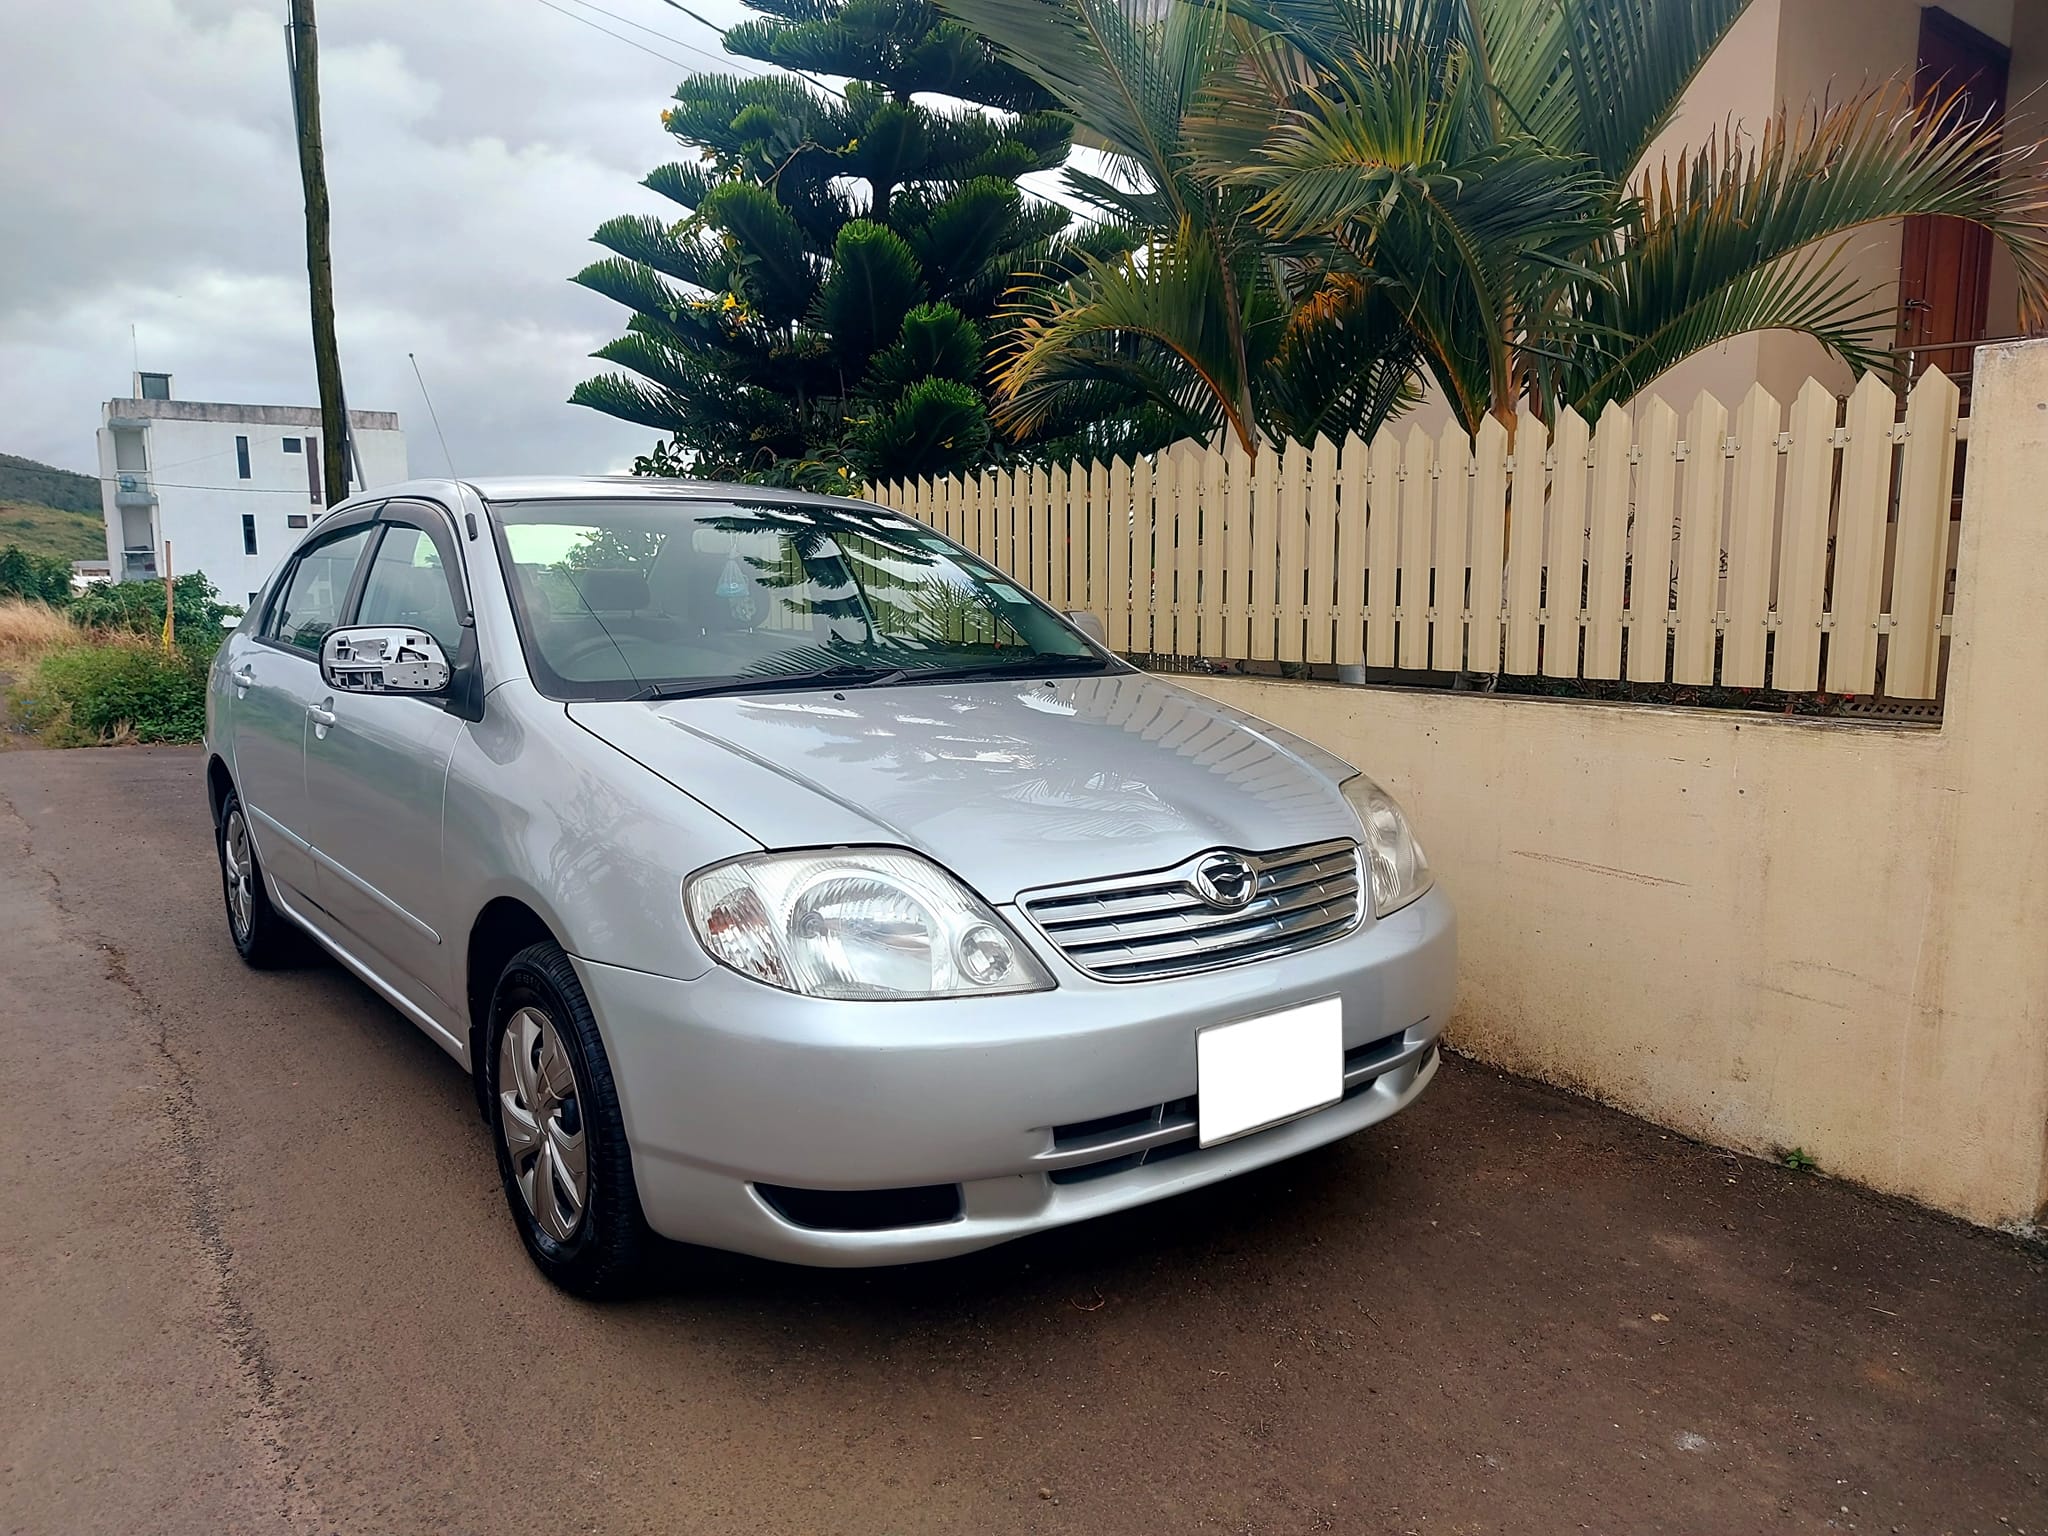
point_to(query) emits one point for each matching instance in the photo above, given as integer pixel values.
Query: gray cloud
(149, 177)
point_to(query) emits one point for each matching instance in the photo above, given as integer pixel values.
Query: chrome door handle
(245, 677)
(320, 716)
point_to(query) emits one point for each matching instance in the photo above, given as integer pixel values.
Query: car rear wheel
(561, 1141)
(264, 936)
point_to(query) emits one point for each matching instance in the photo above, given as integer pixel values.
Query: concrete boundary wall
(1768, 932)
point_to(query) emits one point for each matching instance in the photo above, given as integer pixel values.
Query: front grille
(1138, 927)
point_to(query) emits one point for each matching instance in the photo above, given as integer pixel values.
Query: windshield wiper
(844, 676)
(998, 669)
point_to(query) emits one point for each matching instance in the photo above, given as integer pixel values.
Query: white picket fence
(1795, 551)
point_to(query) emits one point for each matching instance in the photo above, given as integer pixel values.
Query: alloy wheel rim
(238, 868)
(540, 1114)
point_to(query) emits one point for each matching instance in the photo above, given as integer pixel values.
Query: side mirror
(383, 658)
(1089, 624)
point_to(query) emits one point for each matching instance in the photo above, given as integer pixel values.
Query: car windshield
(651, 598)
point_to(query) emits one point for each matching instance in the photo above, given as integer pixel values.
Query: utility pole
(303, 47)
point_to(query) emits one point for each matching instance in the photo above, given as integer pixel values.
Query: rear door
(377, 764)
(275, 677)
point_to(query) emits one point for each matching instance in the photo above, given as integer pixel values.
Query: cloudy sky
(149, 178)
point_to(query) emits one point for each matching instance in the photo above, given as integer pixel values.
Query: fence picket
(1656, 507)
(1418, 515)
(1187, 550)
(1002, 529)
(1291, 571)
(1211, 583)
(1453, 545)
(1920, 562)
(1489, 542)
(1752, 516)
(1237, 548)
(1263, 557)
(1858, 586)
(1522, 526)
(1607, 551)
(1383, 547)
(1144, 577)
(1116, 608)
(1322, 549)
(1351, 553)
(1699, 541)
(1803, 539)
(1564, 577)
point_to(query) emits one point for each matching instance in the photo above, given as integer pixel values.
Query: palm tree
(1393, 190)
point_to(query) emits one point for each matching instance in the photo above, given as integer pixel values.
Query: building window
(313, 470)
(297, 520)
(291, 445)
(242, 457)
(248, 533)
(156, 386)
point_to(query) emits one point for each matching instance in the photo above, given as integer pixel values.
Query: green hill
(44, 485)
(42, 530)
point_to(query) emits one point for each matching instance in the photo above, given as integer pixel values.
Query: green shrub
(43, 577)
(114, 689)
(138, 608)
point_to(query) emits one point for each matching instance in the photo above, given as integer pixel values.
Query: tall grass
(30, 630)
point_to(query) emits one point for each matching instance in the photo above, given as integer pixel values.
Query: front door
(1945, 270)
(377, 767)
(275, 676)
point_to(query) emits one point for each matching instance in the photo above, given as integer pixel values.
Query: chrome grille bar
(1157, 924)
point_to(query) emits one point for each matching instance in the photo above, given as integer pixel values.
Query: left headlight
(1394, 860)
(856, 923)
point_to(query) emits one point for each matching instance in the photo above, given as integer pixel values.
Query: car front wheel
(561, 1141)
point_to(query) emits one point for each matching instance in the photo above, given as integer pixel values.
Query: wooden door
(1945, 270)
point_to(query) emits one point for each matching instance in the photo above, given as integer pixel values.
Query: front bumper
(725, 1083)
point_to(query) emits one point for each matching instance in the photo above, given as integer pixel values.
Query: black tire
(263, 936)
(538, 1000)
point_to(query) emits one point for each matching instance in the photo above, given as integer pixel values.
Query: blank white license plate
(1259, 1072)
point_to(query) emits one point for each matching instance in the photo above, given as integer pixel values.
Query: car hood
(1009, 784)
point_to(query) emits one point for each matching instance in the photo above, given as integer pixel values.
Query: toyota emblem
(1225, 880)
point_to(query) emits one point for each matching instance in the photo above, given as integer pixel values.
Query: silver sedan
(791, 881)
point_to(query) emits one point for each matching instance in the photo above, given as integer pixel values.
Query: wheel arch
(505, 925)
(219, 784)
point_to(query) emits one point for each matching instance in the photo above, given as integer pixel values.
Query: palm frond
(1728, 244)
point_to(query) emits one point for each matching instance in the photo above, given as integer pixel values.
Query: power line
(705, 21)
(620, 36)
(728, 58)
(148, 481)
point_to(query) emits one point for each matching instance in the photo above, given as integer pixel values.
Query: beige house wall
(1767, 932)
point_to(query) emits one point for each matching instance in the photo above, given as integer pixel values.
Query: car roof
(528, 488)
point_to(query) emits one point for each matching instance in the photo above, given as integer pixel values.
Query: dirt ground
(257, 1277)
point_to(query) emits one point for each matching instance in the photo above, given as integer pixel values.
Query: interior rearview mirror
(383, 658)
(1089, 624)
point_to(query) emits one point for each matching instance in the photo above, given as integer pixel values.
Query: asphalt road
(256, 1276)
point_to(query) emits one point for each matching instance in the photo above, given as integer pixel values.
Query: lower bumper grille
(1153, 1134)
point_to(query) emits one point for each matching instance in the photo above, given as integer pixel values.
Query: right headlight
(856, 923)
(1394, 860)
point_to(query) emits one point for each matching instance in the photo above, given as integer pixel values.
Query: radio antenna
(432, 414)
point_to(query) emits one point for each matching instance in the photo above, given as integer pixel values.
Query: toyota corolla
(791, 881)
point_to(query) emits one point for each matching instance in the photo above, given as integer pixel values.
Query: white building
(228, 487)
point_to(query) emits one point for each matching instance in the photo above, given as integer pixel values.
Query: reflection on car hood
(1010, 784)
